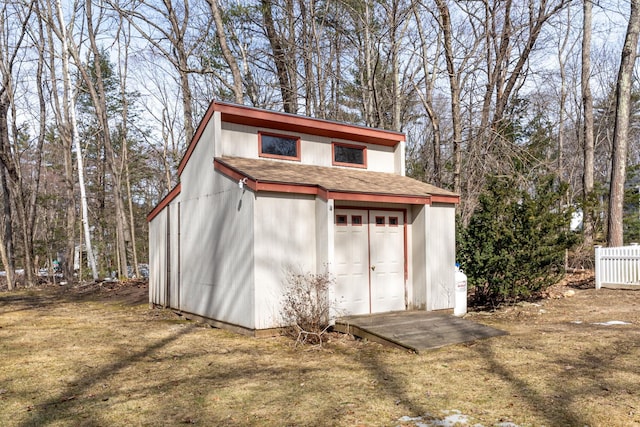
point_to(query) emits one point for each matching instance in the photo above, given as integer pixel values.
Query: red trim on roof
(378, 198)
(243, 115)
(279, 187)
(164, 202)
(445, 199)
(240, 114)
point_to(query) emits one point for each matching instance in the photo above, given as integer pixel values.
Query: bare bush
(306, 306)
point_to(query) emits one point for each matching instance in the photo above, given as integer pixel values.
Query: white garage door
(369, 258)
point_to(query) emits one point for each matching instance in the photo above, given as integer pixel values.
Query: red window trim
(341, 224)
(351, 165)
(275, 156)
(394, 218)
(384, 221)
(354, 223)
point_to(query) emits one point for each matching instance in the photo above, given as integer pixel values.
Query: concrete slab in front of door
(415, 330)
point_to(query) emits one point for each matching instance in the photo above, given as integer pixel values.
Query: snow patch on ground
(613, 322)
(449, 419)
(609, 323)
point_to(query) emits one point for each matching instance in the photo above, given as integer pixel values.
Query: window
(349, 155)
(380, 220)
(356, 219)
(393, 221)
(341, 220)
(279, 146)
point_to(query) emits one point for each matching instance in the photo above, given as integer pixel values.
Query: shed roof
(332, 182)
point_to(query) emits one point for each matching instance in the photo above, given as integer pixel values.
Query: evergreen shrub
(514, 244)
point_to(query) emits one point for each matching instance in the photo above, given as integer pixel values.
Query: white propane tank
(460, 301)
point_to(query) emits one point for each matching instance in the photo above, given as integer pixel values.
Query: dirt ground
(96, 355)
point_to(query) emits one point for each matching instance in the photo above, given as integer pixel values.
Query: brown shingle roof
(332, 179)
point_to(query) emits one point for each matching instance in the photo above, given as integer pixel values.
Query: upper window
(349, 155)
(279, 146)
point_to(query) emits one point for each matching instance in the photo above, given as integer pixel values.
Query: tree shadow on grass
(554, 408)
(66, 405)
(388, 383)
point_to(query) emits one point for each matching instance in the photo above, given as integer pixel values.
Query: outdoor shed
(263, 193)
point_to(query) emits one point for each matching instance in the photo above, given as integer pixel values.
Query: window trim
(384, 221)
(359, 224)
(276, 156)
(341, 224)
(397, 223)
(346, 145)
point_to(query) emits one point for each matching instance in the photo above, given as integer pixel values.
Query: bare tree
(64, 138)
(168, 28)
(226, 52)
(621, 129)
(69, 49)
(430, 73)
(587, 124)
(454, 88)
(16, 200)
(283, 49)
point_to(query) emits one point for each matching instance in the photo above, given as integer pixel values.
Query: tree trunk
(33, 200)
(430, 77)
(70, 105)
(98, 96)
(587, 127)
(226, 53)
(124, 69)
(6, 251)
(621, 128)
(454, 89)
(280, 57)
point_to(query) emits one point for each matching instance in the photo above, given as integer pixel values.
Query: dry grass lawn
(100, 357)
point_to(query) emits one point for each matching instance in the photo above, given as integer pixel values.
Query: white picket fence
(618, 267)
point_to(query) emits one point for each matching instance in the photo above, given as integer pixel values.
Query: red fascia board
(378, 198)
(243, 115)
(164, 202)
(278, 187)
(445, 199)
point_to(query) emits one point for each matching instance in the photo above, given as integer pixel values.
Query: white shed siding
(217, 253)
(285, 234)
(216, 240)
(324, 233)
(157, 258)
(441, 256)
(315, 150)
(380, 159)
(418, 265)
(173, 259)
(238, 141)
(325, 241)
